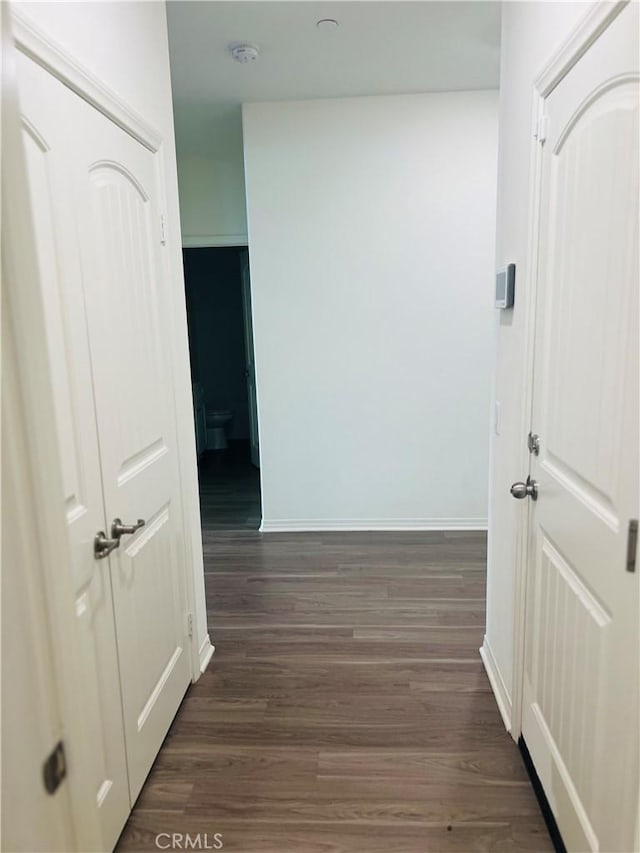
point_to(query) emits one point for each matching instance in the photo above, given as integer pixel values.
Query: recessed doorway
(218, 301)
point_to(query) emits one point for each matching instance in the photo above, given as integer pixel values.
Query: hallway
(229, 489)
(346, 707)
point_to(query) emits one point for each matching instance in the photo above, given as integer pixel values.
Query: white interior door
(117, 181)
(102, 189)
(580, 703)
(46, 142)
(250, 369)
(32, 819)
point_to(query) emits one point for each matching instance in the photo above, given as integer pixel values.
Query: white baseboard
(205, 653)
(294, 525)
(503, 700)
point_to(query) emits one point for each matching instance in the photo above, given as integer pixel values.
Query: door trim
(213, 241)
(586, 32)
(43, 50)
(583, 36)
(54, 59)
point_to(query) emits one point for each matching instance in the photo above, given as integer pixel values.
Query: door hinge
(163, 229)
(54, 768)
(542, 126)
(533, 443)
(189, 624)
(632, 544)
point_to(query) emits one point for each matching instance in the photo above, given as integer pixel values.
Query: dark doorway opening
(222, 373)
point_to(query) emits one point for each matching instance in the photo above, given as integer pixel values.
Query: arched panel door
(58, 255)
(582, 655)
(110, 337)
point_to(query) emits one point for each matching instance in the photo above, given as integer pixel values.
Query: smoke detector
(244, 52)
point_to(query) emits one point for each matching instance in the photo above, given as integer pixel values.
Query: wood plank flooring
(229, 489)
(346, 709)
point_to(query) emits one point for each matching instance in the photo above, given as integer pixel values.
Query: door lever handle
(522, 490)
(119, 529)
(102, 546)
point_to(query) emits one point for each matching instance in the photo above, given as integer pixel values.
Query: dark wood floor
(229, 489)
(345, 708)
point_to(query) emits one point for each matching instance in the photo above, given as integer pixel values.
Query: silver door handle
(119, 529)
(522, 490)
(102, 546)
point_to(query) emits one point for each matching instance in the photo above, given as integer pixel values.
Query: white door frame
(250, 359)
(40, 48)
(594, 23)
(215, 241)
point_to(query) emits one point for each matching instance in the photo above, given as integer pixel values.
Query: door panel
(61, 275)
(104, 197)
(32, 819)
(119, 189)
(588, 326)
(580, 706)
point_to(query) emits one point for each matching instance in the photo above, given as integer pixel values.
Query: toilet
(216, 423)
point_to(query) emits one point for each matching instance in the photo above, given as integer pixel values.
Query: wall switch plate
(506, 287)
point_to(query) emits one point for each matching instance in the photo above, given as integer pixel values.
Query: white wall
(126, 46)
(371, 229)
(531, 33)
(211, 178)
(212, 204)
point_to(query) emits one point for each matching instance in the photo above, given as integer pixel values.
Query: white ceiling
(379, 48)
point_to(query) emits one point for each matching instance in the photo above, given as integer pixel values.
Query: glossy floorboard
(345, 709)
(229, 489)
